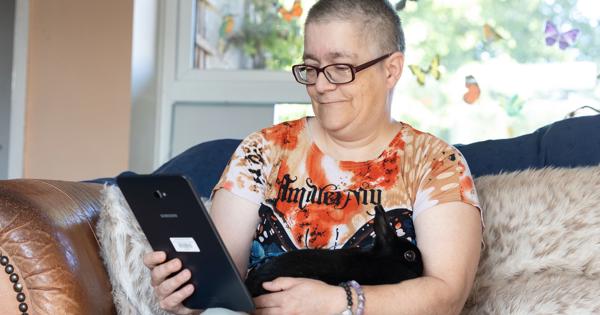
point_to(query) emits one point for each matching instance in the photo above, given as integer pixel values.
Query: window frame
(179, 81)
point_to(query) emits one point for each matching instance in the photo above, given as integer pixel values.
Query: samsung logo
(169, 216)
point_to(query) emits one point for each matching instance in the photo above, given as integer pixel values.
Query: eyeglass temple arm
(370, 63)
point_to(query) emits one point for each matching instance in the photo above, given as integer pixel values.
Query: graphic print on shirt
(310, 200)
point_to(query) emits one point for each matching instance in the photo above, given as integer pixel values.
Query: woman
(313, 182)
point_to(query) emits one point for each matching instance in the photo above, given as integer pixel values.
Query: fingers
(152, 259)
(270, 300)
(280, 284)
(164, 287)
(167, 287)
(161, 272)
(172, 303)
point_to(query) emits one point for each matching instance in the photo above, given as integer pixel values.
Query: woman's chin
(333, 124)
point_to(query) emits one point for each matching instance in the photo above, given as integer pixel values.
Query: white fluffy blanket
(122, 245)
(542, 238)
(542, 252)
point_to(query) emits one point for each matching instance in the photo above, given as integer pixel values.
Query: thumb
(280, 284)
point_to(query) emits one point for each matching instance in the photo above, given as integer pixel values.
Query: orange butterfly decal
(490, 34)
(473, 91)
(295, 12)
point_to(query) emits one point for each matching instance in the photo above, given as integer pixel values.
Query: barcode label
(184, 244)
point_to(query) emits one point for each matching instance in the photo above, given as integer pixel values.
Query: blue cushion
(202, 163)
(572, 142)
(503, 155)
(566, 143)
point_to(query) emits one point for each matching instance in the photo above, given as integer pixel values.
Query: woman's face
(362, 103)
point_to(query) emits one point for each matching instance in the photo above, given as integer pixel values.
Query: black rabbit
(391, 259)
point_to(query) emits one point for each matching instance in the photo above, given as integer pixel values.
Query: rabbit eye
(410, 255)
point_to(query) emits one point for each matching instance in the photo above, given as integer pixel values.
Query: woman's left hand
(300, 296)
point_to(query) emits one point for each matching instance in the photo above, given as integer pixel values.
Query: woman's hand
(300, 296)
(169, 299)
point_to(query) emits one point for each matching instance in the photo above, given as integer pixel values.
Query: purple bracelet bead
(360, 306)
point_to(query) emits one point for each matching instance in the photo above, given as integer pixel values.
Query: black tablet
(175, 221)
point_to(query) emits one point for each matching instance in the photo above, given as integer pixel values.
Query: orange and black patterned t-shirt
(310, 200)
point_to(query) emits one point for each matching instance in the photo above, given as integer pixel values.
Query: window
(198, 73)
(501, 45)
(499, 77)
(248, 34)
(211, 58)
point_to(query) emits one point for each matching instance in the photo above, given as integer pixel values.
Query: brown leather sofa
(50, 255)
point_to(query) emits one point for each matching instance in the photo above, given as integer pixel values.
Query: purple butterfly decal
(564, 40)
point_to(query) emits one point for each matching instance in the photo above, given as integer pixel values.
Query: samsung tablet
(175, 221)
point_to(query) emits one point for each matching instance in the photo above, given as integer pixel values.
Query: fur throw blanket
(542, 253)
(542, 239)
(122, 245)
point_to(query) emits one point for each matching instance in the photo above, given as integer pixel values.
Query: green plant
(266, 38)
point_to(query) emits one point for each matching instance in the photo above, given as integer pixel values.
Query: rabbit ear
(385, 235)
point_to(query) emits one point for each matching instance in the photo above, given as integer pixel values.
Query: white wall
(78, 99)
(144, 85)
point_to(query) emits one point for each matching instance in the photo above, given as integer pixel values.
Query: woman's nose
(322, 84)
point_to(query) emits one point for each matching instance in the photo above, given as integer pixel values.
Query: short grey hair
(377, 18)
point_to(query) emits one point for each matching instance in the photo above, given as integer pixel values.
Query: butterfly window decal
(473, 91)
(293, 13)
(490, 34)
(564, 39)
(227, 25)
(433, 69)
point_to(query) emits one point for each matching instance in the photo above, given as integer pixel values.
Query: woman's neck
(358, 145)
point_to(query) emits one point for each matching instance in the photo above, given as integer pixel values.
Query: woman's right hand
(165, 289)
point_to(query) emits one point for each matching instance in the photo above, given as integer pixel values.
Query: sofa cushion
(542, 237)
(503, 155)
(566, 143)
(203, 163)
(571, 142)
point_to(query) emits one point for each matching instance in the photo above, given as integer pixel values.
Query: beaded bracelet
(348, 310)
(360, 307)
(17, 286)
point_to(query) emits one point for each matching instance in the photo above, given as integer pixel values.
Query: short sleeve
(246, 173)
(445, 177)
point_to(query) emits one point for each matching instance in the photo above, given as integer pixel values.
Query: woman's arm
(449, 237)
(236, 220)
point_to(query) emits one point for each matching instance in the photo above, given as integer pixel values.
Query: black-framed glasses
(336, 73)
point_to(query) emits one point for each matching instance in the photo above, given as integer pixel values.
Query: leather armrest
(47, 232)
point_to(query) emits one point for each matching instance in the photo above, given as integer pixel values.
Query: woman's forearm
(424, 295)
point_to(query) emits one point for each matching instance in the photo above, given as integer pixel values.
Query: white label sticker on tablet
(184, 244)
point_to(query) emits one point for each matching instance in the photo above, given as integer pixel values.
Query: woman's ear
(394, 65)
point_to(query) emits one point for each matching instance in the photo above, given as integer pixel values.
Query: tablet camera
(160, 194)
